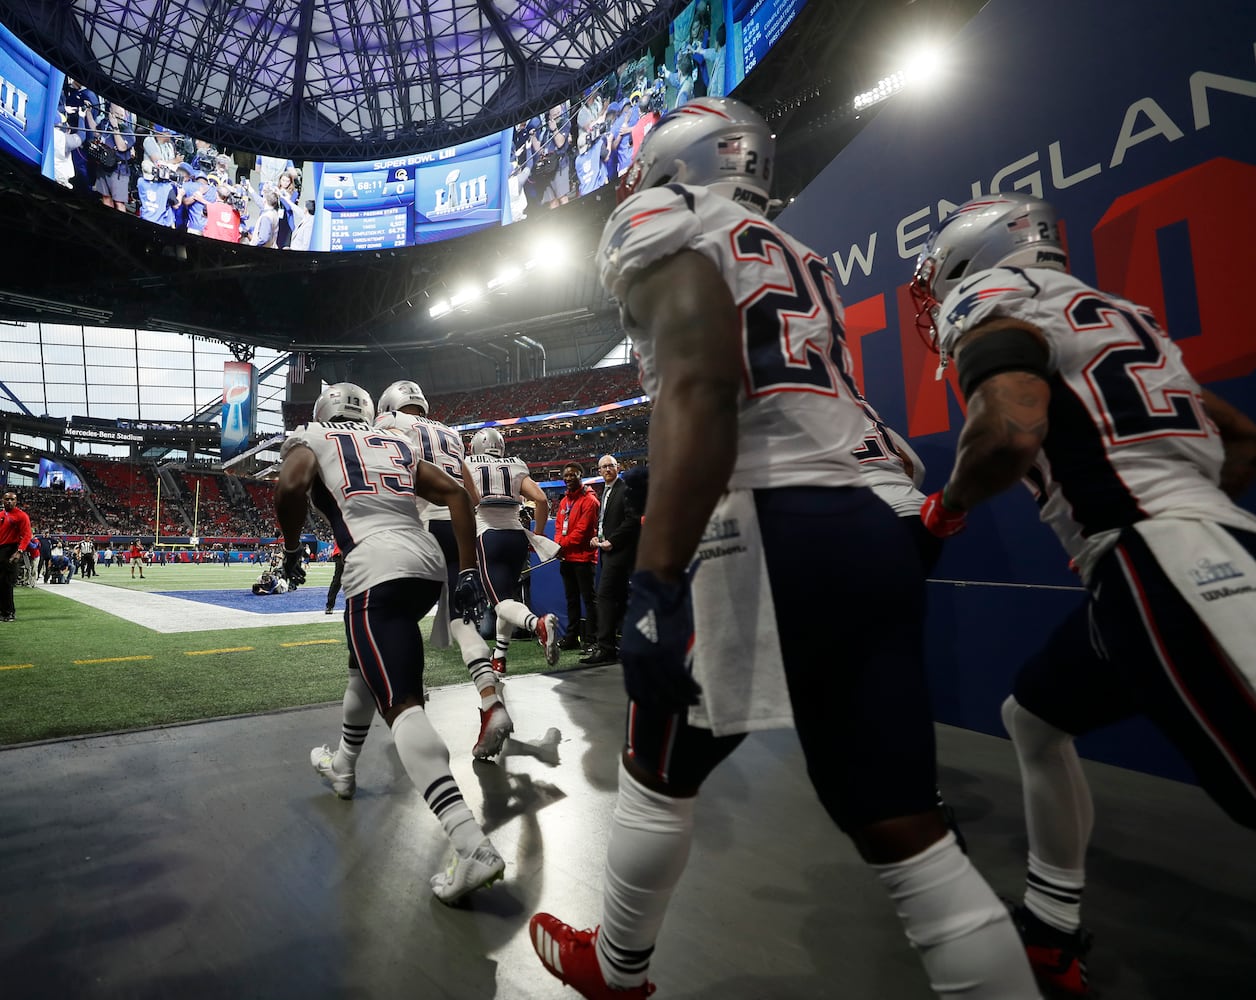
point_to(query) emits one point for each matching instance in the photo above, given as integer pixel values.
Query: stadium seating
(574, 390)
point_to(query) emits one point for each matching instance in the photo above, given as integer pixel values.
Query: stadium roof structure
(327, 79)
(347, 79)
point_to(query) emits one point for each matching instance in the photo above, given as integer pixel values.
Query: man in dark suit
(619, 524)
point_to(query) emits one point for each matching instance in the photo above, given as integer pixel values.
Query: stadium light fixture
(550, 254)
(923, 64)
(507, 276)
(464, 295)
(438, 309)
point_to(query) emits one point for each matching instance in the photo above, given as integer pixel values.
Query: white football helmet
(344, 401)
(403, 393)
(714, 142)
(999, 230)
(487, 441)
(395, 420)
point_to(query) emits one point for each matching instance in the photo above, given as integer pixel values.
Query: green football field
(68, 669)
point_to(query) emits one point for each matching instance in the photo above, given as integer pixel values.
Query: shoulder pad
(298, 438)
(649, 226)
(995, 292)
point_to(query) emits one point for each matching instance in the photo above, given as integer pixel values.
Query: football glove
(657, 647)
(293, 567)
(940, 519)
(468, 598)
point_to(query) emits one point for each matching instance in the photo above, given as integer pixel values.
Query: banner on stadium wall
(239, 407)
(29, 89)
(1142, 139)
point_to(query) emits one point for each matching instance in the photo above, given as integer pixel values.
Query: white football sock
(470, 643)
(426, 760)
(357, 711)
(963, 932)
(1059, 816)
(517, 614)
(649, 847)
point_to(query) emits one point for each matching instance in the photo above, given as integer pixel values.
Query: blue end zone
(301, 599)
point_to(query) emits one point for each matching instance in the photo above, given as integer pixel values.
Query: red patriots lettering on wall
(1217, 201)
(862, 318)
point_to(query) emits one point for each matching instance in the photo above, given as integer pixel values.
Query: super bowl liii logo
(1206, 571)
(459, 195)
(13, 103)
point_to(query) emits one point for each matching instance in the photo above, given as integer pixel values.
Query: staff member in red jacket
(15, 535)
(575, 524)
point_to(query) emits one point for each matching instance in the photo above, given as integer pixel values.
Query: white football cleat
(344, 785)
(484, 867)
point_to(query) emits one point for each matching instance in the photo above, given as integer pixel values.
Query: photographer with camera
(115, 136)
(551, 158)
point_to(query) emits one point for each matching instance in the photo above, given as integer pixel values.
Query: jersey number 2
(794, 339)
(1130, 411)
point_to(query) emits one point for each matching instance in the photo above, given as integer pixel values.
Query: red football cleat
(571, 955)
(1057, 958)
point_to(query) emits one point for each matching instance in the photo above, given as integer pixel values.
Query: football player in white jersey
(403, 408)
(756, 507)
(1081, 394)
(364, 481)
(499, 484)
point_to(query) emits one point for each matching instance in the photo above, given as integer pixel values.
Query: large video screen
(588, 143)
(408, 200)
(28, 103)
(103, 151)
(55, 476)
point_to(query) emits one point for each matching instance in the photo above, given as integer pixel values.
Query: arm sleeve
(26, 532)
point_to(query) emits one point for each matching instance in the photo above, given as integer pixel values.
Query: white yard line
(174, 614)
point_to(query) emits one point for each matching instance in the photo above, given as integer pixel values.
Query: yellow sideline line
(313, 642)
(207, 652)
(17, 666)
(114, 659)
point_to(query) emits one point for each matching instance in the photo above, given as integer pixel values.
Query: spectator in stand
(197, 194)
(574, 527)
(66, 140)
(304, 228)
(15, 535)
(266, 232)
(288, 194)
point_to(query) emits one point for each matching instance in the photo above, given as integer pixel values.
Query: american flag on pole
(296, 368)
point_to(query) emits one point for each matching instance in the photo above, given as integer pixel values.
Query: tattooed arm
(1004, 429)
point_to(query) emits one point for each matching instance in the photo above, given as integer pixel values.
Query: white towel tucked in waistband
(1216, 576)
(737, 655)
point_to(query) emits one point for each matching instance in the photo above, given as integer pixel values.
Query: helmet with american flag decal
(714, 142)
(999, 230)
